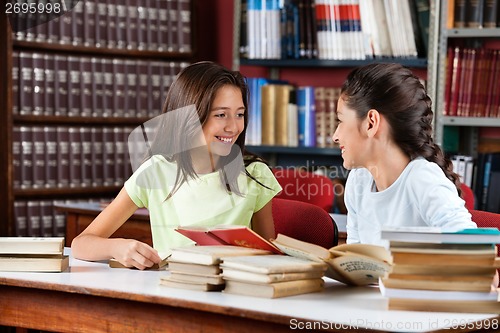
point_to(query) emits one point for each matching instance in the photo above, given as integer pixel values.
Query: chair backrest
(485, 219)
(305, 186)
(305, 222)
(468, 196)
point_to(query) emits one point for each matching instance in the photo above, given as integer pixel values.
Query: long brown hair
(395, 92)
(196, 86)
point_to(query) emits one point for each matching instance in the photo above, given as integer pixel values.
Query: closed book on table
(271, 264)
(274, 290)
(193, 268)
(244, 276)
(31, 245)
(196, 278)
(210, 254)
(33, 263)
(167, 281)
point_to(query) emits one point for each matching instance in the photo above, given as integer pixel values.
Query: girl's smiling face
(349, 137)
(225, 122)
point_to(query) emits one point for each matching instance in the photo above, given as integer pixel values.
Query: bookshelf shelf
(57, 192)
(25, 119)
(311, 63)
(470, 32)
(99, 51)
(471, 121)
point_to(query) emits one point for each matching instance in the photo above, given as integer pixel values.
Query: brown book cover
(86, 156)
(162, 17)
(97, 156)
(184, 26)
(121, 21)
(89, 23)
(152, 12)
(108, 86)
(119, 151)
(49, 86)
(142, 24)
(274, 290)
(101, 24)
(490, 13)
(268, 106)
(74, 89)
(86, 87)
(119, 88)
(33, 222)
(77, 28)
(97, 87)
(38, 84)
(26, 157)
(460, 13)
(108, 156)
(130, 109)
(20, 214)
(131, 20)
(321, 111)
(16, 157)
(111, 18)
(25, 83)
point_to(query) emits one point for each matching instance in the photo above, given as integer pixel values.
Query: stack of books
(197, 267)
(435, 270)
(33, 254)
(272, 276)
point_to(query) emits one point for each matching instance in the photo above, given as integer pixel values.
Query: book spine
(490, 13)
(74, 91)
(33, 218)
(46, 218)
(38, 156)
(75, 158)
(15, 83)
(63, 156)
(108, 156)
(118, 88)
(38, 84)
(121, 24)
(101, 24)
(132, 26)
(86, 87)
(97, 156)
(162, 22)
(20, 216)
(306, 109)
(86, 156)
(77, 29)
(61, 86)
(131, 88)
(16, 157)
(26, 157)
(89, 23)
(111, 17)
(51, 161)
(474, 13)
(108, 86)
(49, 86)
(119, 152)
(97, 87)
(153, 27)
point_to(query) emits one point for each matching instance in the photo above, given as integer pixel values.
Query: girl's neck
(388, 167)
(203, 161)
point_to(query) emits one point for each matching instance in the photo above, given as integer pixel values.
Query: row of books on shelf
(338, 30)
(51, 84)
(482, 176)
(473, 14)
(39, 218)
(284, 115)
(159, 25)
(472, 87)
(436, 270)
(70, 156)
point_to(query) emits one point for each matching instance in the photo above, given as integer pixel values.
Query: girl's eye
(241, 115)
(220, 115)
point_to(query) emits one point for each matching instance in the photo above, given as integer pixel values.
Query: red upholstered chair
(305, 222)
(305, 186)
(468, 196)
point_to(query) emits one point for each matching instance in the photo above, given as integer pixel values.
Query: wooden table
(91, 297)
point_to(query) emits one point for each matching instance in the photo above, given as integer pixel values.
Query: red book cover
(228, 235)
(455, 82)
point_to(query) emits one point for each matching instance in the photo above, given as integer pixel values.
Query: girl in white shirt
(399, 176)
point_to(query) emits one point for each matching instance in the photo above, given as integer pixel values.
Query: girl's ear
(372, 122)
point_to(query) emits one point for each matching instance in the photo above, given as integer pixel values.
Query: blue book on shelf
(307, 116)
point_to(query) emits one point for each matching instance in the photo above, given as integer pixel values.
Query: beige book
(196, 278)
(34, 263)
(274, 290)
(354, 264)
(433, 259)
(281, 114)
(430, 305)
(271, 264)
(244, 276)
(193, 268)
(441, 270)
(167, 281)
(31, 245)
(268, 104)
(433, 248)
(437, 282)
(211, 254)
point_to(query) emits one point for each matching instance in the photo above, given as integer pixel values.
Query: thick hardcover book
(439, 235)
(228, 235)
(121, 24)
(153, 26)
(38, 156)
(75, 157)
(63, 156)
(16, 157)
(86, 156)
(25, 83)
(460, 13)
(168, 281)
(271, 264)
(61, 86)
(77, 28)
(33, 218)
(210, 254)
(108, 156)
(101, 30)
(26, 157)
(268, 93)
(97, 157)
(20, 214)
(74, 89)
(245, 276)
(490, 13)
(49, 85)
(31, 245)
(86, 87)
(34, 263)
(274, 290)
(175, 266)
(89, 23)
(354, 264)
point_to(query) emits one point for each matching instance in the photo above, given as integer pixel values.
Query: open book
(353, 264)
(228, 235)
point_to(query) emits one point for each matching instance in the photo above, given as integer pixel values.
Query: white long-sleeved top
(421, 196)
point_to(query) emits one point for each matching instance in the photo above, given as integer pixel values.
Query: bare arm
(262, 222)
(94, 242)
